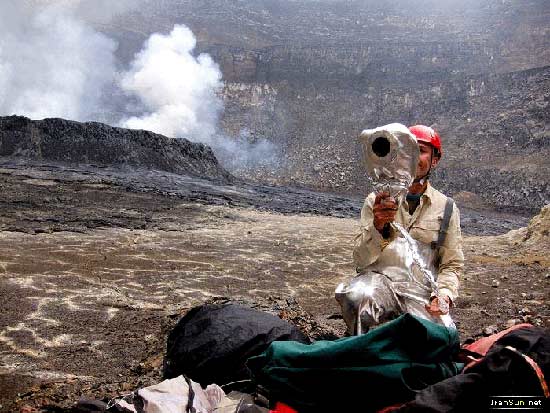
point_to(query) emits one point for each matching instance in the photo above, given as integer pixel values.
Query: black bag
(505, 370)
(211, 343)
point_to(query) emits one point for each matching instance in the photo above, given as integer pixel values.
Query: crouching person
(389, 283)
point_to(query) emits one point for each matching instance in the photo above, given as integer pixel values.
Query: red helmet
(428, 135)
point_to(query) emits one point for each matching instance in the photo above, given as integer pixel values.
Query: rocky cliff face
(346, 35)
(310, 75)
(494, 129)
(95, 143)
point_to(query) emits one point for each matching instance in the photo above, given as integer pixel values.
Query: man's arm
(377, 210)
(451, 265)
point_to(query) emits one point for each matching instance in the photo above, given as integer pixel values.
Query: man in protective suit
(431, 219)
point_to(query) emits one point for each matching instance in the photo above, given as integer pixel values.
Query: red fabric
(282, 408)
(391, 408)
(483, 345)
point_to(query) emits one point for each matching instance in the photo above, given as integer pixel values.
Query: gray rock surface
(310, 75)
(494, 130)
(96, 143)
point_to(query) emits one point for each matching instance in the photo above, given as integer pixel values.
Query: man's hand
(434, 308)
(384, 210)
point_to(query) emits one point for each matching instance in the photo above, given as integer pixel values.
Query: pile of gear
(229, 358)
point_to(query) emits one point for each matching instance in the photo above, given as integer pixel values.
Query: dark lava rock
(47, 196)
(96, 143)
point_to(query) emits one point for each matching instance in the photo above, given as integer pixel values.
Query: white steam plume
(51, 64)
(179, 93)
(177, 90)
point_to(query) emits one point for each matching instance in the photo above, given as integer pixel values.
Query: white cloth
(172, 396)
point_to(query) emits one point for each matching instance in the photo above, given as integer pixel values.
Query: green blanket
(361, 373)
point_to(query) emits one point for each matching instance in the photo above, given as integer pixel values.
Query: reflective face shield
(391, 157)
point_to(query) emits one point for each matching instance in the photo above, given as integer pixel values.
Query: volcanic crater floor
(95, 268)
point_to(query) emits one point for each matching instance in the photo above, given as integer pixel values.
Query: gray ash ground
(98, 263)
